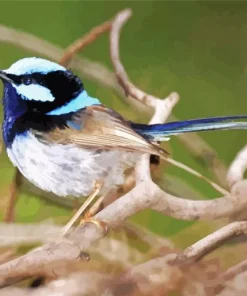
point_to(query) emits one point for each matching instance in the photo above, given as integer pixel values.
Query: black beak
(4, 77)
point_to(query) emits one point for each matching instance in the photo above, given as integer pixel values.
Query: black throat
(20, 116)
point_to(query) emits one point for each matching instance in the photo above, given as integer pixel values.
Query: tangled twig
(146, 194)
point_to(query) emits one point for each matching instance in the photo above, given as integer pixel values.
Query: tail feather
(161, 132)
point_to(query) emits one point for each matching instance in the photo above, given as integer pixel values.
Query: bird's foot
(101, 224)
(88, 217)
(97, 187)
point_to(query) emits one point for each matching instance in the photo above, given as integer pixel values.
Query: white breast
(67, 169)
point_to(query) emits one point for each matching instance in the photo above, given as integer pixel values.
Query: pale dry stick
(14, 234)
(148, 195)
(145, 277)
(122, 77)
(151, 101)
(132, 90)
(220, 282)
(81, 283)
(237, 167)
(233, 271)
(81, 43)
(162, 107)
(151, 197)
(195, 173)
(195, 144)
(145, 195)
(13, 194)
(154, 274)
(211, 242)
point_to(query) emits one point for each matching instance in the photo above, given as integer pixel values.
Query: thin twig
(220, 282)
(81, 43)
(211, 242)
(238, 167)
(122, 77)
(145, 195)
(160, 108)
(233, 271)
(13, 194)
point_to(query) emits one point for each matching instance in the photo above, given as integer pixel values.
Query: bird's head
(40, 86)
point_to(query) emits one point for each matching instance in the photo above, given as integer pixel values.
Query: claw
(98, 223)
(84, 256)
(97, 187)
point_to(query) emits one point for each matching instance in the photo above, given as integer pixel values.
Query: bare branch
(145, 195)
(122, 77)
(148, 195)
(220, 283)
(238, 167)
(212, 241)
(233, 271)
(83, 283)
(146, 277)
(162, 108)
(17, 233)
(79, 44)
(13, 194)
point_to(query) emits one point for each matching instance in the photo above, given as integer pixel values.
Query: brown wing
(101, 127)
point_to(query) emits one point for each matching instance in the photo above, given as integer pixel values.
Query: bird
(64, 141)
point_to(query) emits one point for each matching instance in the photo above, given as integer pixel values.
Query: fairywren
(63, 140)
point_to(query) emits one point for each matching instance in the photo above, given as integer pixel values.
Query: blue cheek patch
(81, 101)
(34, 92)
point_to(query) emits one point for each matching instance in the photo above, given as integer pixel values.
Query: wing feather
(101, 127)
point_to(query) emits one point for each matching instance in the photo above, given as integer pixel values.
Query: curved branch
(13, 194)
(145, 195)
(211, 242)
(238, 167)
(162, 108)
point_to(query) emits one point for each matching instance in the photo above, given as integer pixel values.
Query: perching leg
(90, 199)
(91, 212)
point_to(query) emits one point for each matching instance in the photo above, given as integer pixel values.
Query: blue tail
(161, 132)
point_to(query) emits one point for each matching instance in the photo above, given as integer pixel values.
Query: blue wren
(63, 140)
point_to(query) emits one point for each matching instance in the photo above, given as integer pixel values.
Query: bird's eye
(27, 80)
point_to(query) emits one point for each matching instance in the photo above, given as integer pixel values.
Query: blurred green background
(197, 49)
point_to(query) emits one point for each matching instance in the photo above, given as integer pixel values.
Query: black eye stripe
(50, 78)
(63, 85)
(27, 79)
(33, 78)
